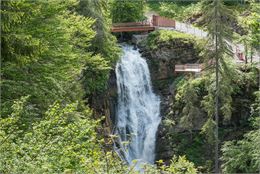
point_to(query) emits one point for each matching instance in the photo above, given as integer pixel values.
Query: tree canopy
(59, 56)
(127, 11)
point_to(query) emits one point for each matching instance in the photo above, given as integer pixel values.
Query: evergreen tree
(215, 15)
(191, 99)
(104, 42)
(127, 11)
(44, 50)
(251, 22)
(243, 156)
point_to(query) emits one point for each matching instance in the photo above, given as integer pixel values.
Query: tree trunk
(216, 98)
(246, 51)
(251, 56)
(217, 112)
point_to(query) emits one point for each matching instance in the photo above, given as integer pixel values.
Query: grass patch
(164, 36)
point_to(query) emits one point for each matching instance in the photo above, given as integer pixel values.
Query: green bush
(65, 140)
(243, 156)
(166, 36)
(176, 10)
(127, 11)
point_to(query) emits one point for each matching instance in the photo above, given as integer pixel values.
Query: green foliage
(255, 108)
(47, 50)
(179, 11)
(200, 92)
(44, 51)
(167, 36)
(96, 73)
(103, 46)
(196, 96)
(251, 24)
(191, 10)
(181, 166)
(189, 94)
(242, 156)
(127, 11)
(215, 15)
(237, 82)
(65, 140)
(194, 146)
(225, 96)
(104, 42)
(178, 165)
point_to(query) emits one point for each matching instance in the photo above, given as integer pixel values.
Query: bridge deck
(132, 26)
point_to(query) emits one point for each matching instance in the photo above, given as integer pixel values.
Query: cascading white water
(138, 111)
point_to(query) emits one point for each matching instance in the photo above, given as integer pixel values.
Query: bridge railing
(157, 21)
(132, 24)
(161, 21)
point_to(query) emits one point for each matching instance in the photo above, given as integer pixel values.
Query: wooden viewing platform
(196, 68)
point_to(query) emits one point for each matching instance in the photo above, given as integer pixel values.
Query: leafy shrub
(167, 36)
(65, 140)
(243, 156)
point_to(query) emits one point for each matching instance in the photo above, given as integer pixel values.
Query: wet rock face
(112, 96)
(162, 61)
(105, 104)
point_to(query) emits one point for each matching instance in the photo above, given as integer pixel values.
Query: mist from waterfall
(138, 110)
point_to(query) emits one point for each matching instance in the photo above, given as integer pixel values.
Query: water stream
(138, 111)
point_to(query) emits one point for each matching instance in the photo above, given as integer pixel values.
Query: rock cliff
(162, 56)
(104, 104)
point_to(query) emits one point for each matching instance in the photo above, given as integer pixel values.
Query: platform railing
(188, 67)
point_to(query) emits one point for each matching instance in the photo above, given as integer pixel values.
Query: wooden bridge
(144, 26)
(132, 26)
(196, 68)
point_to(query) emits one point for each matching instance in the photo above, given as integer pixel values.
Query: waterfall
(138, 110)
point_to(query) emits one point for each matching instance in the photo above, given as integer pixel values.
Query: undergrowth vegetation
(180, 11)
(167, 36)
